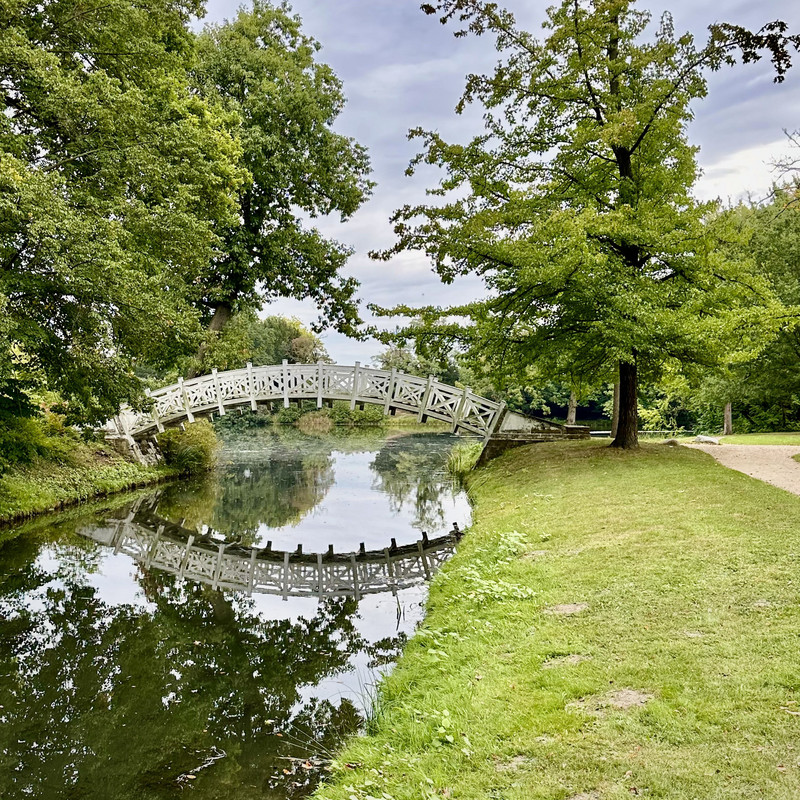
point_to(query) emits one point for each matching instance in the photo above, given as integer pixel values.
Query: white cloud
(749, 172)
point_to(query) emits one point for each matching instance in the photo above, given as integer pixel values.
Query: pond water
(173, 643)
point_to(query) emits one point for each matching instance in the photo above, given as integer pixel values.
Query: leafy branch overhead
(574, 205)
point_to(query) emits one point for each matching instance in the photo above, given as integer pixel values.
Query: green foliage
(264, 342)
(65, 470)
(463, 457)
(113, 179)
(261, 68)
(191, 450)
(575, 206)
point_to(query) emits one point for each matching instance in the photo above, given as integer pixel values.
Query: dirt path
(771, 463)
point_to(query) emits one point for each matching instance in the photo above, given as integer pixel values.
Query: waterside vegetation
(613, 625)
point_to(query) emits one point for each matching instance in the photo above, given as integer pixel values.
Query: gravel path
(771, 463)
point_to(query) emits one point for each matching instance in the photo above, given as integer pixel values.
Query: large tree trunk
(572, 409)
(627, 435)
(615, 411)
(222, 314)
(727, 428)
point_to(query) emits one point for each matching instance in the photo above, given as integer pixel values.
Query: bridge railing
(393, 389)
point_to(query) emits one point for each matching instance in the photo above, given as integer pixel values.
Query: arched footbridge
(394, 390)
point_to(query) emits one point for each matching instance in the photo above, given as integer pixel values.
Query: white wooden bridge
(157, 543)
(322, 383)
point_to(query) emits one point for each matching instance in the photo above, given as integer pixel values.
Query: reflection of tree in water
(412, 471)
(236, 500)
(119, 701)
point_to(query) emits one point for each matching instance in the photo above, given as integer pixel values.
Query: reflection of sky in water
(316, 492)
(355, 509)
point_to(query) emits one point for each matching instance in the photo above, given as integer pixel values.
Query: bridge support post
(154, 414)
(220, 407)
(187, 406)
(496, 420)
(389, 392)
(285, 374)
(460, 409)
(422, 416)
(354, 394)
(320, 383)
(251, 389)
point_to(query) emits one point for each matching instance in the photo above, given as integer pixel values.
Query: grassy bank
(91, 470)
(614, 625)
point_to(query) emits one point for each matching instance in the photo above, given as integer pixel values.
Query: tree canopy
(153, 179)
(113, 179)
(575, 204)
(261, 67)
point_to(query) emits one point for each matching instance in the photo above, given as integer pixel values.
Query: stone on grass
(622, 700)
(561, 661)
(567, 609)
(707, 440)
(514, 764)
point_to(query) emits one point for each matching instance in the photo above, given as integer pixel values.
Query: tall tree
(575, 207)
(262, 68)
(113, 176)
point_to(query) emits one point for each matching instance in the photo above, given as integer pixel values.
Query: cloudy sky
(402, 69)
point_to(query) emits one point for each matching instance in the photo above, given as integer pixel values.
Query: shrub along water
(193, 449)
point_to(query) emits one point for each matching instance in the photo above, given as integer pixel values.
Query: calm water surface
(121, 680)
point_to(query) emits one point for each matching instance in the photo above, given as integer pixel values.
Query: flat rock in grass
(514, 764)
(567, 609)
(706, 440)
(622, 700)
(562, 661)
(628, 698)
(534, 554)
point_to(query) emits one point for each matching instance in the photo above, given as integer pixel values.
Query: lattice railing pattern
(285, 382)
(249, 569)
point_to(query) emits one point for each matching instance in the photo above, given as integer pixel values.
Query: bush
(26, 438)
(191, 450)
(463, 458)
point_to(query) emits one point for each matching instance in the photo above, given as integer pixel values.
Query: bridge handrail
(217, 391)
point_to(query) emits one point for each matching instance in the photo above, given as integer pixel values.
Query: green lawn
(690, 576)
(763, 438)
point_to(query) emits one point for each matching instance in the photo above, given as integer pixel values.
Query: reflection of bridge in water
(156, 542)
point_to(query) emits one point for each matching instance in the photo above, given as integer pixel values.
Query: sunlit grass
(690, 577)
(762, 438)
